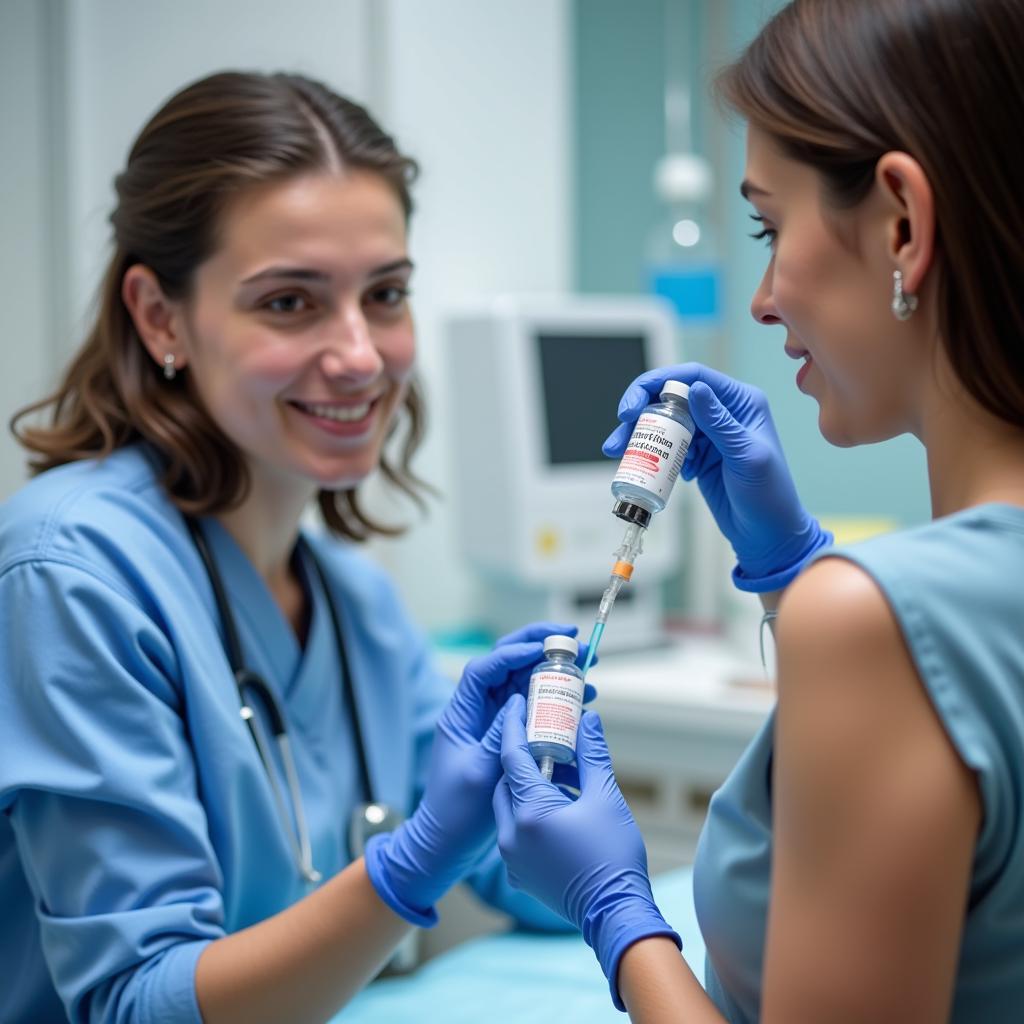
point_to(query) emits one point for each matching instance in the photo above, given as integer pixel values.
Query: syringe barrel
(608, 597)
(622, 569)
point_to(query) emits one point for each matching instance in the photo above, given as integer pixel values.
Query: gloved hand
(412, 867)
(585, 858)
(740, 469)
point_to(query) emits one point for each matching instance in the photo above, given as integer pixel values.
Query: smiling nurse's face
(300, 339)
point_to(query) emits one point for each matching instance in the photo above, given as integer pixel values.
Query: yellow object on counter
(851, 529)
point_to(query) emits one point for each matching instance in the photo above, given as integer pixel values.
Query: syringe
(642, 484)
(622, 571)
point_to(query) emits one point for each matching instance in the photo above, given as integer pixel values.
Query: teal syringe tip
(595, 639)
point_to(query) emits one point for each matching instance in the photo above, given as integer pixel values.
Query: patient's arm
(875, 819)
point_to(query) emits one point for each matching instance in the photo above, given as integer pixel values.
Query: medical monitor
(600, 362)
(535, 383)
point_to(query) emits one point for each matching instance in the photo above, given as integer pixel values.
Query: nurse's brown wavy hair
(839, 83)
(210, 142)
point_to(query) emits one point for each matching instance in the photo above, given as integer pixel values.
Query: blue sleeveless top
(956, 587)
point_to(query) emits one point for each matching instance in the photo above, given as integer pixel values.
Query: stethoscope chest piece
(367, 820)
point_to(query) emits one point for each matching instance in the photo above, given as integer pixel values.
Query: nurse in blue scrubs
(205, 707)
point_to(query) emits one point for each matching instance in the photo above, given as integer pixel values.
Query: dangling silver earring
(169, 371)
(903, 303)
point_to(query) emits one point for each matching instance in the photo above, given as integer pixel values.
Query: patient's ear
(910, 224)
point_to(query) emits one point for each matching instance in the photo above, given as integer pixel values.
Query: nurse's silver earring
(169, 371)
(903, 303)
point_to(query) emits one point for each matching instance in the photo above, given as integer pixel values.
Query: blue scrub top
(954, 586)
(138, 820)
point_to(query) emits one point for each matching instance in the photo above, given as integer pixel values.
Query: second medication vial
(554, 704)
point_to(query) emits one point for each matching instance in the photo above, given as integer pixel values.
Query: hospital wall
(27, 322)
(619, 67)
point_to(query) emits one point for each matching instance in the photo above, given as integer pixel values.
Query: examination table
(519, 977)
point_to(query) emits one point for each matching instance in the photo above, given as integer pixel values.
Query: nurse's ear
(910, 225)
(159, 321)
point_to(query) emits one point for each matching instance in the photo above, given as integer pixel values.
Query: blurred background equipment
(536, 382)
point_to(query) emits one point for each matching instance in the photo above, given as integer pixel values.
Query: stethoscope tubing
(250, 684)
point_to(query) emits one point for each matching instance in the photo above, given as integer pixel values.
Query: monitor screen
(583, 377)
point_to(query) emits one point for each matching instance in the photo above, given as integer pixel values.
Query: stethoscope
(370, 816)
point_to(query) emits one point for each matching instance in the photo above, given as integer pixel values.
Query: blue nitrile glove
(740, 469)
(585, 859)
(414, 866)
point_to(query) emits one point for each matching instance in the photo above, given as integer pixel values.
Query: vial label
(655, 454)
(553, 708)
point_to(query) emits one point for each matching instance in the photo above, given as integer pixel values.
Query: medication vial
(654, 456)
(554, 704)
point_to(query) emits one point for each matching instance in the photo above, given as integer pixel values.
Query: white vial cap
(675, 387)
(557, 642)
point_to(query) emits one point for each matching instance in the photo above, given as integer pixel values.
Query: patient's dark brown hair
(838, 83)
